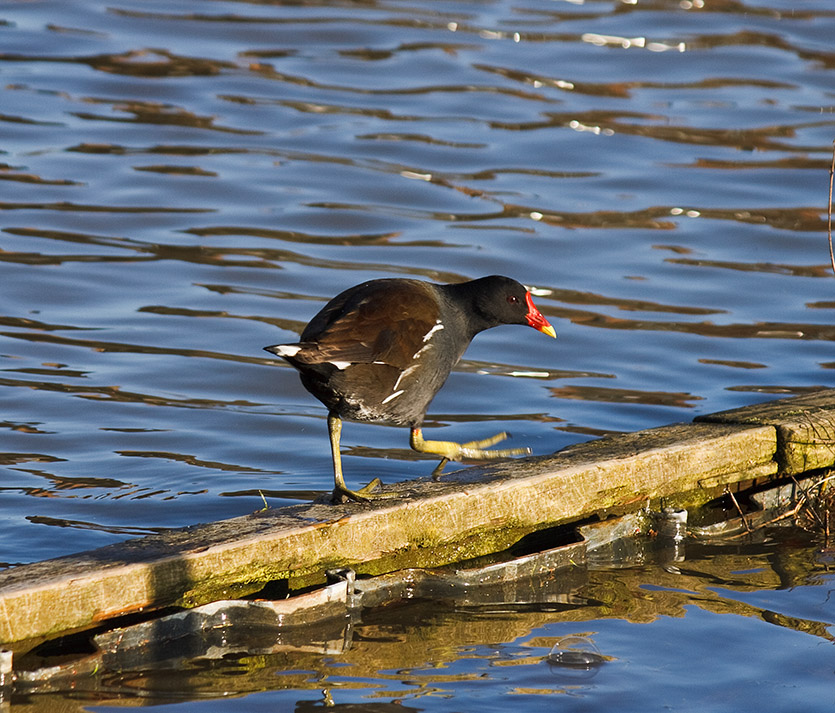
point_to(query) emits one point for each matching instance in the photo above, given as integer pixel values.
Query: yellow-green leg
(340, 489)
(450, 450)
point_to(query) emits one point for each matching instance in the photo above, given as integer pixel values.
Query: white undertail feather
(290, 350)
(286, 350)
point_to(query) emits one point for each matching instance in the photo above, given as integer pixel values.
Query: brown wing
(386, 321)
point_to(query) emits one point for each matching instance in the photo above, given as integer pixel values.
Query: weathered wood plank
(805, 428)
(470, 513)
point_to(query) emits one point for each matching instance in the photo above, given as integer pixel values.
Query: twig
(739, 510)
(829, 209)
(801, 501)
(804, 496)
(781, 516)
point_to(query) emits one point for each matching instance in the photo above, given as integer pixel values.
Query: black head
(496, 300)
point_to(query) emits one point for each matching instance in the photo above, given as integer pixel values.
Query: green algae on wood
(805, 427)
(468, 514)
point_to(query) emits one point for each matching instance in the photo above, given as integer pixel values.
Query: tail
(286, 351)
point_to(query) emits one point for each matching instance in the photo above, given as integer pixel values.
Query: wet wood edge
(805, 428)
(472, 512)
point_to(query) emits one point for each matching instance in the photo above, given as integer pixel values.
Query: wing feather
(376, 322)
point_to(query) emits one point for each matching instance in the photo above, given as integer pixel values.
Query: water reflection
(596, 393)
(145, 113)
(415, 655)
(81, 525)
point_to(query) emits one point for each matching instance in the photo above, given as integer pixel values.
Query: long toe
(478, 449)
(363, 495)
(339, 495)
(487, 442)
(484, 454)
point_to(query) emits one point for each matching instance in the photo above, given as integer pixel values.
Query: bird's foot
(475, 450)
(363, 495)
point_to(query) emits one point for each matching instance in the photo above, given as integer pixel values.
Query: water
(184, 183)
(738, 627)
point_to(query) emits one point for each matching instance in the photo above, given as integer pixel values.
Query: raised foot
(476, 450)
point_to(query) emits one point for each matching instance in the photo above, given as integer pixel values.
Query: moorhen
(381, 350)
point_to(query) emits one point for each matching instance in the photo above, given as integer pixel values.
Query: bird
(379, 352)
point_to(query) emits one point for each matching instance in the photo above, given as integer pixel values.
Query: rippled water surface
(182, 183)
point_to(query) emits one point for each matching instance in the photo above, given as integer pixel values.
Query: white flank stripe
(437, 328)
(341, 364)
(420, 351)
(392, 396)
(403, 374)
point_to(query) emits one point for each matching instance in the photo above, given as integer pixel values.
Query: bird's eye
(512, 299)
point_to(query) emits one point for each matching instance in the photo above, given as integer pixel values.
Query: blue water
(186, 182)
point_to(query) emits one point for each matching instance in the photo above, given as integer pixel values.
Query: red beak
(535, 318)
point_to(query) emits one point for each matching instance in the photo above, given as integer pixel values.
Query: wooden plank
(472, 512)
(805, 428)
